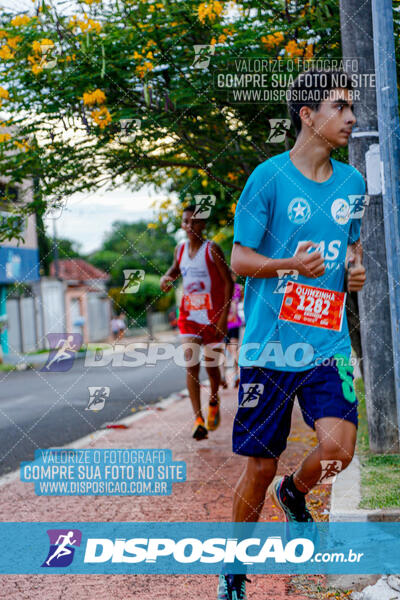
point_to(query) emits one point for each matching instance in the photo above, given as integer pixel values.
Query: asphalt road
(47, 409)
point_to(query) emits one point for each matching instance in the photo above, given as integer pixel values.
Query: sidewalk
(38, 359)
(212, 472)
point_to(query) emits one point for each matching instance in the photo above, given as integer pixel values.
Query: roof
(77, 269)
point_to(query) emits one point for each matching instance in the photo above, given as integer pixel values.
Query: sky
(86, 218)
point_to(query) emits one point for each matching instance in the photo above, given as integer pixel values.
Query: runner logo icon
(63, 349)
(252, 393)
(61, 551)
(283, 276)
(97, 397)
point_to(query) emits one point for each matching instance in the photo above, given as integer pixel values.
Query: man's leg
(251, 488)
(213, 357)
(191, 357)
(336, 442)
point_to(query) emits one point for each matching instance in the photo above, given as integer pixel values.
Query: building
(87, 305)
(19, 264)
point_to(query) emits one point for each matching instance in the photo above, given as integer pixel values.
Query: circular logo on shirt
(299, 211)
(340, 211)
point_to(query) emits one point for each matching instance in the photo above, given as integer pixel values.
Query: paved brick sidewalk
(212, 471)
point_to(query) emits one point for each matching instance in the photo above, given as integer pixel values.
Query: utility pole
(374, 300)
(389, 136)
(55, 250)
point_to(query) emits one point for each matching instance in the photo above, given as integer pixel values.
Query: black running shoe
(293, 506)
(232, 587)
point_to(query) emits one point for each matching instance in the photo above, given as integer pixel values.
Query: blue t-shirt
(278, 208)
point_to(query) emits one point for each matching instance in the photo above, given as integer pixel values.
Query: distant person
(232, 337)
(203, 314)
(121, 326)
(115, 323)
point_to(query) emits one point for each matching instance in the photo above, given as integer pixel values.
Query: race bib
(199, 301)
(313, 306)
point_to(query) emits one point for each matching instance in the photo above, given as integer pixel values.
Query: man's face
(192, 227)
(334, 120)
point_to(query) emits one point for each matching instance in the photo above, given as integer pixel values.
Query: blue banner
(18, 264)
(200, 548)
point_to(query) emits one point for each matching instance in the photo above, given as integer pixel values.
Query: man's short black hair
(190, 208)
(312, 87)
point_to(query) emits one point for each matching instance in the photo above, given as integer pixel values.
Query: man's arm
(220, 263)
(172, 274)
(247, 262)
(356, 275)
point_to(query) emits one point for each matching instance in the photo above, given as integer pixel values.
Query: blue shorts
(266, 397)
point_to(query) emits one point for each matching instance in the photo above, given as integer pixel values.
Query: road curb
(346, 498)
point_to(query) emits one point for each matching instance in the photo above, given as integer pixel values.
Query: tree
(139, 306)
(74, 85)
(134, 246)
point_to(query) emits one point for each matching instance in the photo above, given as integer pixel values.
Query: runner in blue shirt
(296, 236)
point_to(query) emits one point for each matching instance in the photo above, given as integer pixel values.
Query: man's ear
(305, 115)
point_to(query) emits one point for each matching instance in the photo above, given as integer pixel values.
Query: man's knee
(334, 450)
(193, 370)
(262, 470)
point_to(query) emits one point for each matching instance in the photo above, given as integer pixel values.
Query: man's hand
(355, 275)
(355, 271)
(166, 283)
(306, 263)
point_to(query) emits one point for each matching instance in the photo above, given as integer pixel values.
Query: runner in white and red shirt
(203, 313)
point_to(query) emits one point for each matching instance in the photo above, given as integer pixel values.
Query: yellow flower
(151, 225)
(3, 93)
(292, 49)
(20, 20)
(4, 137)
(22, 145)
(3, 34)
(87, 25)
(14, 41)
(218, 237)
(6, 53)
(309, 53)
(36, 69)
(37, 46)
(232, 176)
(204, 182)
(210, 10)
(273, 39)
(152, 8)
(233, 208)
(46, 42)
(101, 117)
(136, 55)
(96, 97)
